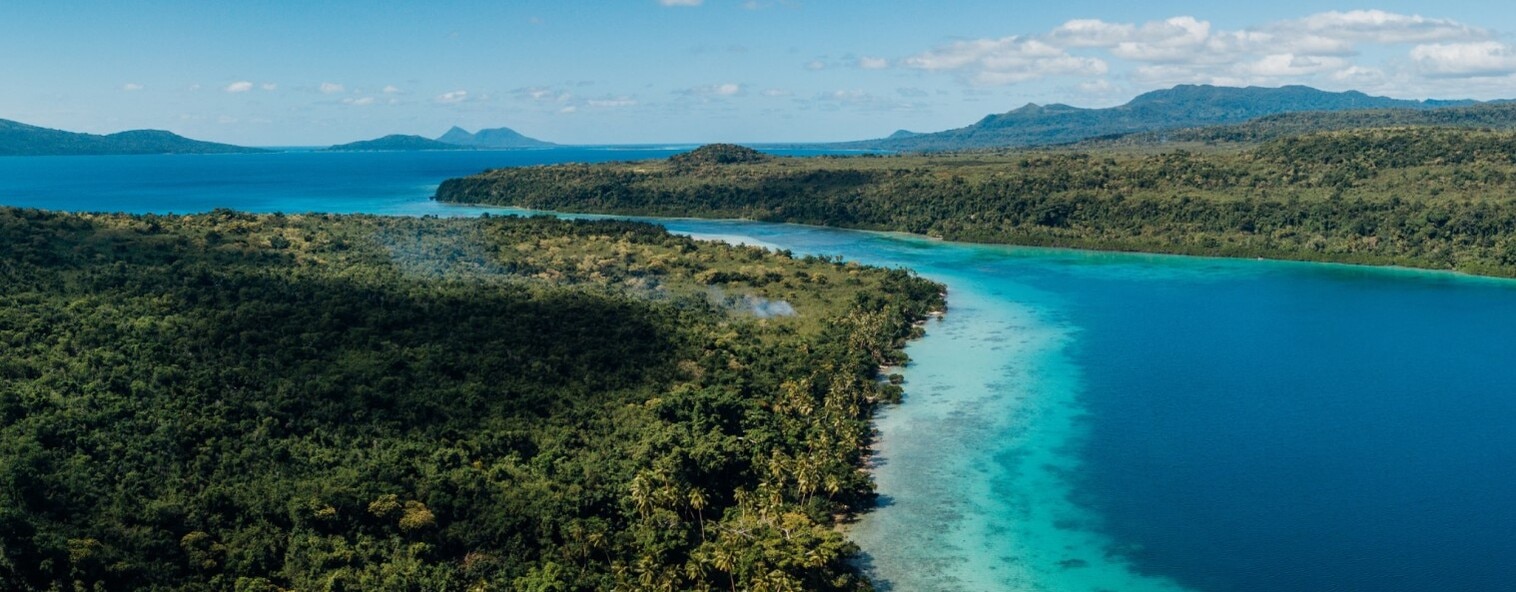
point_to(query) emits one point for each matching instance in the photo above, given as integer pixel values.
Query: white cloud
(391, 89)
(1360, 77)
(1327, 48)
(1006, 60)
(846, 96)
(859, 100)
(1176, 40)
(680, 2)
(269, 86)
(331, 88)
(612, 102)
(815, 65)
(729, 89)
(543, 94)
(457, 96)
(359, 102)
(131, 87)
(569, 109)
(1286, 65)
(1099, 86)
(239, 87)
(1465, 60)
(872, 63)
(1378, 26)
(775, 92)
(1089, 33)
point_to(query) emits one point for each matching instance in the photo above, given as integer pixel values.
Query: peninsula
(1431, 197)
(267, 402)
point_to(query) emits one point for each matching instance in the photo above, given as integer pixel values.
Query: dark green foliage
(718, 154)
(1493, 116)
(238, 402)
(1183, 106)
(1422, 197)
(19, 139)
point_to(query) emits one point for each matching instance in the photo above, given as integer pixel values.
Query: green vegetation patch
(238, 402)
(1436, 198)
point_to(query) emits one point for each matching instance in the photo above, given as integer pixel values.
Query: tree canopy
(238, 402)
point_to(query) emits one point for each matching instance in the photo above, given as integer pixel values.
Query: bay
(1079, 421)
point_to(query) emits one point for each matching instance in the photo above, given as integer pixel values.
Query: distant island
(19, 139)
(501, 138)
(1183, 106)
(396, 143)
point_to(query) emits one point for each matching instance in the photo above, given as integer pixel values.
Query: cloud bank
(1374, 48)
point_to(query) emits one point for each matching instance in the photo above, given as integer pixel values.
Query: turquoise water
(1083, 421)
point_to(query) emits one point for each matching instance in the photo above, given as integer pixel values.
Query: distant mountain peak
(1182, 106)
(457, 135)
(500, 137)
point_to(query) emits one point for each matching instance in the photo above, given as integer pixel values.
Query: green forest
(246, 402)
(1430, 197)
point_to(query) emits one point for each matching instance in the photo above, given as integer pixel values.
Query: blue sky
(662, 71)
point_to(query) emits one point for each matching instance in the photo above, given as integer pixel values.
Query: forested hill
(1179, 107)
(1421, 197)
(19, 139)
(1493, 116)
(260, 403)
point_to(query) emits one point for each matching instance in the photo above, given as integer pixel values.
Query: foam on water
(972, 469)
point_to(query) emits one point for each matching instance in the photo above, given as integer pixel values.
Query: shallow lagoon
(1082, 421)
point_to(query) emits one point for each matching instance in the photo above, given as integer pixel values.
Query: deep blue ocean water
(1081, 421)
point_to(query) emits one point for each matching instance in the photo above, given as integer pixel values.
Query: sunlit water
(1082, 421)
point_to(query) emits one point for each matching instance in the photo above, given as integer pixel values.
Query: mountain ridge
(1183, 106)
(20, 139)
(455, 138)
(500, 137)
(396, 143)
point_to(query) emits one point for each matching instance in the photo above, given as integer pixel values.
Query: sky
(278, 73)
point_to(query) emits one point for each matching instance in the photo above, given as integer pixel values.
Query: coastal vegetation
(246, 402)
(1487, 116)
(1439, 198)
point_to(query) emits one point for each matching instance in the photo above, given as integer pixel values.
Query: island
(19, 139)
(457, 138)
(396, 142)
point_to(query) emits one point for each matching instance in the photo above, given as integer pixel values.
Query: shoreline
(910, 236)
